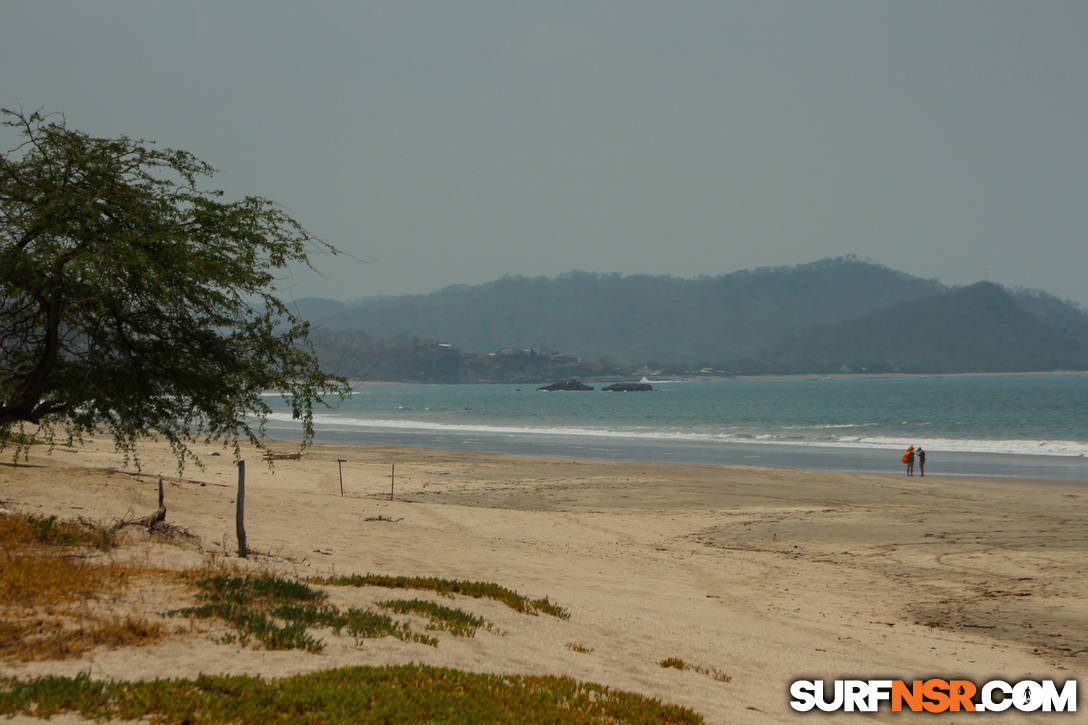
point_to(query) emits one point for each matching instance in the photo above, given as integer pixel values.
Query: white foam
(787, 436)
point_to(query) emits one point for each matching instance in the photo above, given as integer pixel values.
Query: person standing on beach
(908, 458)
(921, 461)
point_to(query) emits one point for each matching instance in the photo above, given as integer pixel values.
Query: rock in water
(629, 387)
(566, 385)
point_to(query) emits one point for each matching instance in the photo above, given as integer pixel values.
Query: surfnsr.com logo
(933, 695)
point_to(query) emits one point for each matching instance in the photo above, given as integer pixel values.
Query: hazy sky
(457, 141)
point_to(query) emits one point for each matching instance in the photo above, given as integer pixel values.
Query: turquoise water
(1025, 415)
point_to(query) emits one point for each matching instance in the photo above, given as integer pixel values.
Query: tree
(130, 298)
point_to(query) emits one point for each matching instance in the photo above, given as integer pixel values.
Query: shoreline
(694, 378)
(842, 458)
(766, 574)
(857, 376)
(1035, 430)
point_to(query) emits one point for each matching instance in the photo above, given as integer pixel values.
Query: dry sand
(767, 575)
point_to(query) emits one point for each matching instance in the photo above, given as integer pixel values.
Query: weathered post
(340, 466)
(392, 478)
(239, 512)
(160, 514)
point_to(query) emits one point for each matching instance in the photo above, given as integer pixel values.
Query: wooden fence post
(160, 514)
(239, 513)
(340, 466)
(392, 478)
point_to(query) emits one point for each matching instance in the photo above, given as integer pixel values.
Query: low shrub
(455, 621)
(450, 587)
(395, 694)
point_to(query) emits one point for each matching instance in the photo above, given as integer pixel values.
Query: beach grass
(455, 621)
(53, 574)
(48, 588)
(391, 694)
(51, 531)
(450, 587)
(679, 664)
(50, 575)
(279, 613)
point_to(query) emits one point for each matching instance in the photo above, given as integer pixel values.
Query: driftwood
(155, 523)
(379, 517)
(149, 521)
(270, 456)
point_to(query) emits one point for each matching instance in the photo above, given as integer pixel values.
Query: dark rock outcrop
(629, 387)
(566, 385)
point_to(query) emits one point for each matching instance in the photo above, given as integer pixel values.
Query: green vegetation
(17, 438)
(256, 607)
(455, 621)
(66, 533)
(134, 300)
(36, 573)
(813, 318)
(403, 694)
(48, 611)
(46, 531)
(279, 612)
(980, 328)
(357, 355)
(245, 590)
(450, 587)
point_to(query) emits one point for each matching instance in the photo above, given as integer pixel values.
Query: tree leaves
(131, 297)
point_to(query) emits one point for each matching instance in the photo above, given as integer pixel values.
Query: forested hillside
(980, 328)
(357, 356)
(827, 316)
(638, 318)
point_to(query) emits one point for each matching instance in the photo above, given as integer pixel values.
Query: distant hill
(357, 356)
(637, 318)
(980, 328)
(820, 317)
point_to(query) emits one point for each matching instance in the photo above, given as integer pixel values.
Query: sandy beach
(766, 575)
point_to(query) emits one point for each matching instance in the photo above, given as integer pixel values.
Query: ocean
(995, 425)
